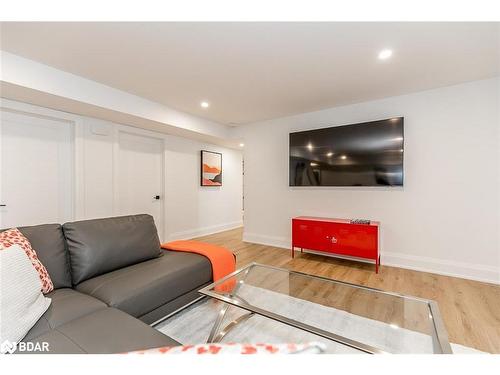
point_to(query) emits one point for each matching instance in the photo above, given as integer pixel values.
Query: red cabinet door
(313, 235)
(354, 240)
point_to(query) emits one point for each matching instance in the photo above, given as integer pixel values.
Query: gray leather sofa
(111, 280)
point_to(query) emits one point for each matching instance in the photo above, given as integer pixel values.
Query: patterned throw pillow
(15, 237)
(21, 300)
(308, 348)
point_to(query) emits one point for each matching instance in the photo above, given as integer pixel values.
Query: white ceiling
(256, 71)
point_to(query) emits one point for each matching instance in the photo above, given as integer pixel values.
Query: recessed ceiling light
(314, 164)
(343, 157)
(242, 144)
(384, 54)
(330, 154)
(205, 104)
(309, 146)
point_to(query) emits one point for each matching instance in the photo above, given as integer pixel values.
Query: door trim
(120, 129)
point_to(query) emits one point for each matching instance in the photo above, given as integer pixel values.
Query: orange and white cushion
(308, 348)
(12, 237)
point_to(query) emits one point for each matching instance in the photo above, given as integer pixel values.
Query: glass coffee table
(360, 318)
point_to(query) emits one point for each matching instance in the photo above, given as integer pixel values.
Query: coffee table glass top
(361, 318)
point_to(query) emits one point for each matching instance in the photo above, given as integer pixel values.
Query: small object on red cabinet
(337, 237)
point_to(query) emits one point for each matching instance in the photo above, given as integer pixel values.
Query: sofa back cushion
(48, 242)
(104, 245)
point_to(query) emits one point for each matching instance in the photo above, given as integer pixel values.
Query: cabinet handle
(334, 240)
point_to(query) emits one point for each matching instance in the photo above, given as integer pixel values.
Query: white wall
(446, 217)
(194, 210)
(190, 210)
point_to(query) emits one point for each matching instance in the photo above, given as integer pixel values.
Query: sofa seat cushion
(143, 287)
(104, 331)
(67, 305)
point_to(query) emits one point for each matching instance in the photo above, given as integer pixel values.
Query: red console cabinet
(336, 237)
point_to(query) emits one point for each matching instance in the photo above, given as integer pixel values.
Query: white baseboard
(267, 240)
(205, 231)
(478, 272)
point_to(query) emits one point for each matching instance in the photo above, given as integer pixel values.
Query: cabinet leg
(377, 264)
(293, 252)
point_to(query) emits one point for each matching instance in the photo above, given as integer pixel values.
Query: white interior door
(36, 176)
(139, 176)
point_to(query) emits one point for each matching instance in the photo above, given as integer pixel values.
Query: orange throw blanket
(222, 259)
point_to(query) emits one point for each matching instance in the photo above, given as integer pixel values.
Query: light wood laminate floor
(470, 309)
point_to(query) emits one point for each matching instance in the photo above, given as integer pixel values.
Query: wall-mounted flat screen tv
(364, 154)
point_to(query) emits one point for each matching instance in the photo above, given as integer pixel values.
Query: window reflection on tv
(364, 154)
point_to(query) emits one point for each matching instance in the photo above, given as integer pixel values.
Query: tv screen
(364, 154)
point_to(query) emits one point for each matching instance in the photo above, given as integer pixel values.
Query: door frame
(77, 203)
(123, 129)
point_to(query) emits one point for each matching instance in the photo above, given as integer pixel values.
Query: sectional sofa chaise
(111, 280)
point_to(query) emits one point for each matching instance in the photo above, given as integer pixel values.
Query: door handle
(157, 197)
(3, 205)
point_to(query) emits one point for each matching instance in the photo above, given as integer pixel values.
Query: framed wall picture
(211, 168)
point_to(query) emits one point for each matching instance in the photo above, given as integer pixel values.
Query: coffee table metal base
(217, 334)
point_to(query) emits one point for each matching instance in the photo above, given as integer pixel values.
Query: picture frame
(210, 168)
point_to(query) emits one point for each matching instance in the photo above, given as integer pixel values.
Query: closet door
(139, 176)
(36, 170)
